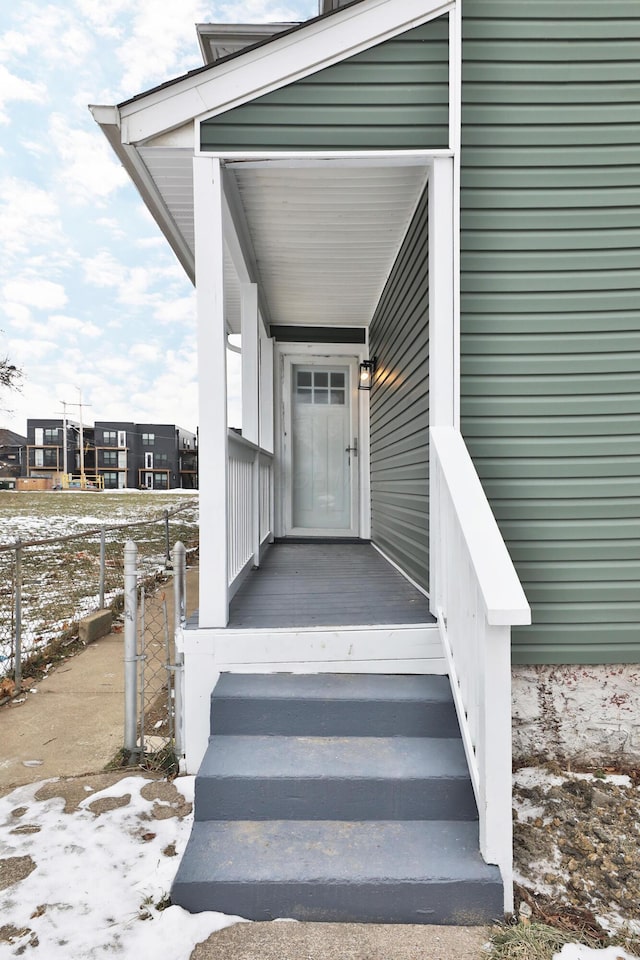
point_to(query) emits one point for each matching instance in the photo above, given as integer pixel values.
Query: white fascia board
(282, 61)
(107, 118)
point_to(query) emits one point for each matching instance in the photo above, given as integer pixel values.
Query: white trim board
(282, 61)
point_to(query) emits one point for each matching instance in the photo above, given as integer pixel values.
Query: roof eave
(109, 120)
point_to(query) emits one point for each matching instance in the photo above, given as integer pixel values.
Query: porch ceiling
(324, 237)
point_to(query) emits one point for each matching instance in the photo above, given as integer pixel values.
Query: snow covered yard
(36, 516)
(86, 865)
(60, 579)
(85, 870)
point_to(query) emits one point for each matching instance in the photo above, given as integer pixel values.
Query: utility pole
(83, 482)
(80, 405)
(64, 437)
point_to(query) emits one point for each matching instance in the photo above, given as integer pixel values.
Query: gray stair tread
(302, 851)
(336, 686)
(384, 758)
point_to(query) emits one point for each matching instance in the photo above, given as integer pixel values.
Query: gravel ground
(577, 849)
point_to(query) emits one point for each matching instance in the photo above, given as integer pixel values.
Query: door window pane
(320, 387)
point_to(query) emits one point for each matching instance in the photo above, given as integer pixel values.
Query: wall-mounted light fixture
(367, 369)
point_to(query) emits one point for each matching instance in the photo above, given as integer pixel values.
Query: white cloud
(50, 33)
(161, 43)
(103, 270)
(102, 17)
(37, 293)
(16, 88)
(88, 171)
(151, 242)
(155, 289)
(25, 352)
(29, 217)
(264, 11)
(114, 227)
(17, 312)
(146, 352)
(179, 311)
(73, 326)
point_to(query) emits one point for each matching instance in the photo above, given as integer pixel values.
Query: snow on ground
(33, 516)
(61, 578)
(577, 845)
(99, 873)
(574, 951)
(84, 871)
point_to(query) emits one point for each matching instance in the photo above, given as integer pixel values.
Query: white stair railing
(476, 596)
(250, 507)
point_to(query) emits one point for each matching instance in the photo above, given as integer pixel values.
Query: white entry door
(322, 448)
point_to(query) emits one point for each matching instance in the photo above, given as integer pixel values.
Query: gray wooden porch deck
(303, 585)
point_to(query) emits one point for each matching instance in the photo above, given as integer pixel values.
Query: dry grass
(532, 941)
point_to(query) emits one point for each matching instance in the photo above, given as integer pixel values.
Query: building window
(161, 459)
(109, 437)
(50, 458)
(51, 435)
(148, 439)
(110, 481)
(160, 481)
(110, 458)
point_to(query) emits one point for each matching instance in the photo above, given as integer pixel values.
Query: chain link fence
(48, 586)
(152, 664)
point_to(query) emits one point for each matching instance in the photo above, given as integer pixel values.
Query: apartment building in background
(120, 454)
(51, 450)
(150, 456)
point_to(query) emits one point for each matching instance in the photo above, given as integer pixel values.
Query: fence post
(180, 612)
(167, 541)
(130, 644)
(17, 658)
(103, 554)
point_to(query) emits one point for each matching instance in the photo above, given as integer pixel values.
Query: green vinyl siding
(393, 96)
(550, 322)
(399, 411)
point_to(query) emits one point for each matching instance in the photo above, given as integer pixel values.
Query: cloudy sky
(91, 296)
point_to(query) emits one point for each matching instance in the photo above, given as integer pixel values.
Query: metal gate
(154, 614)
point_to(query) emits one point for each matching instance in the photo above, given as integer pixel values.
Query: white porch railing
(476, 596)
(250, 507)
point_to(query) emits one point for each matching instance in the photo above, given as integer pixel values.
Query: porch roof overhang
(318, 233)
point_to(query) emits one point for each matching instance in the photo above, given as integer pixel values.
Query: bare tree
(10, 375)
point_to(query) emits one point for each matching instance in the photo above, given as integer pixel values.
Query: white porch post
(249, 321)
(250, 378)
(443, 342)
(266, 392)
(212, 374)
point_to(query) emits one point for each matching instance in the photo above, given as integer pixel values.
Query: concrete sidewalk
(72, 722)
(342, 941)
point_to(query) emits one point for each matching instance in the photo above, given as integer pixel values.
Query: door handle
(354, 449)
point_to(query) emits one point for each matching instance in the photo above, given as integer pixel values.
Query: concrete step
(310, 705)
(334, 778)
(373, 871)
